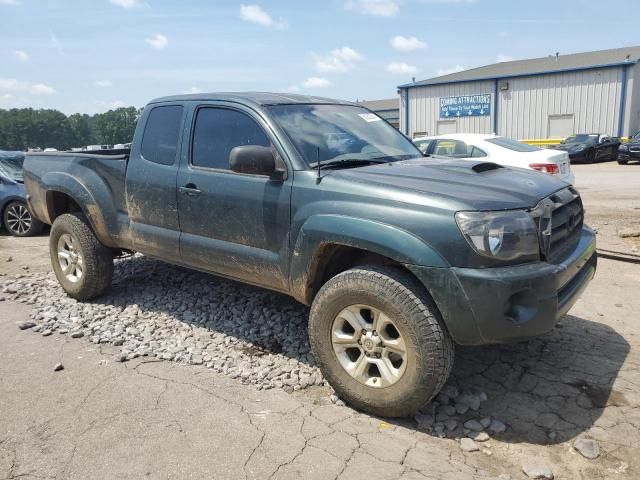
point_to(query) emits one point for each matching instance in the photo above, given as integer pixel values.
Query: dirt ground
(154, 419)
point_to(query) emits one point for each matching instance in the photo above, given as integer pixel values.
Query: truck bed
(95, 180)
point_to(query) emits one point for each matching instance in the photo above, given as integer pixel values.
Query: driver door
(232, 224)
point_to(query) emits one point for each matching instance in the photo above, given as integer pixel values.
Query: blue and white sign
(465, 106)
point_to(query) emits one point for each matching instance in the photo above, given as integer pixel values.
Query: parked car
(590, 147)
(500, 150)
(398, 256)
(14, 213)
(629, 151)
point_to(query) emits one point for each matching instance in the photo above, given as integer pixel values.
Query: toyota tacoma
(399, 257)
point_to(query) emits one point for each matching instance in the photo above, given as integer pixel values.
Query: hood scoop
(485, 167)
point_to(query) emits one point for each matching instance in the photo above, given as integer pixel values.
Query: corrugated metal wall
(424, 107)
(592, 97)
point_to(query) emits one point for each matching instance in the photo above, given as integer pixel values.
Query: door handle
(190, 190)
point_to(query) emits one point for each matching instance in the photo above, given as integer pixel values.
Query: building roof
(379, 105)
(533, 66)
(258, 98)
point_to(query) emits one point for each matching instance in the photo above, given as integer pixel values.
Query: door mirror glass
(256, 160)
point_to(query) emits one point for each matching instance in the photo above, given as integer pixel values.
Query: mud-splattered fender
(93, 196)
(375, 237)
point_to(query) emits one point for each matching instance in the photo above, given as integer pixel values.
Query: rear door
(151, 197)
(232, 224)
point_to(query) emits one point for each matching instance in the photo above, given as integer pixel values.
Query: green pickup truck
(399, 256)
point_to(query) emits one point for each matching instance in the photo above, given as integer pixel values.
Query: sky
(90, 56)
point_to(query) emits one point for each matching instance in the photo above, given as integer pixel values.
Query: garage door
(560, 126)
(446, 127)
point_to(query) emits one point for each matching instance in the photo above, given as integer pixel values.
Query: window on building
(161, 134)
(217, 131)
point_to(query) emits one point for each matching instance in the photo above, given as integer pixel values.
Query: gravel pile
(259, 337)
(155, 309)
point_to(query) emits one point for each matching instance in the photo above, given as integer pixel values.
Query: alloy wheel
(70, 258)
(369, 346)
(18, 219)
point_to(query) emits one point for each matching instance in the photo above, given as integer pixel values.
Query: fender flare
(372, 236)
(92, 208)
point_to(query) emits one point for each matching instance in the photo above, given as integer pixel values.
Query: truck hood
(463, 184)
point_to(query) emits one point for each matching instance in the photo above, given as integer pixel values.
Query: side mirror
(257, 160)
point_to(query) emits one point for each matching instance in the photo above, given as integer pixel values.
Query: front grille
(560, 218)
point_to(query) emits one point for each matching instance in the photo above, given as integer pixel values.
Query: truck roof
(256, 98)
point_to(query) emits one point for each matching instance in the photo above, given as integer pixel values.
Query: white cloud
(504, 58)
(103, 83)
(194, 90)
(316, 82)
(12, 3)
(400, 68)
(339, 60)
(21, 55)
(158, 41)
(378, 8)
(503, 34)
(447, 71)
(255, 14)
(407, 44)
(13, 85)
(55, 43)
(127, 3)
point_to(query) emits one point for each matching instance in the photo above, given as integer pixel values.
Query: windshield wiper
(345, 162)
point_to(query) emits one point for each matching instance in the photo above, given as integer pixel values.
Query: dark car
(398, 256)
(590, 147)
(630, 151)
(16, 217)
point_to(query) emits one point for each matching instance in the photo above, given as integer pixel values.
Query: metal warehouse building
(551, 97)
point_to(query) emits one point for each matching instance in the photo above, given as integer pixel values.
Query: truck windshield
(334, 132)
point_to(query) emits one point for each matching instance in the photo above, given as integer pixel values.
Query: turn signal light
(551, 168)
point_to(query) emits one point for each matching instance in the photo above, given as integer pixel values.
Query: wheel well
(59, 203)
(333, 259)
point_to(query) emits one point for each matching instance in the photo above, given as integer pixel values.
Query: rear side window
(161, 134)
(457, 149)
(217, 131)
(512, 144)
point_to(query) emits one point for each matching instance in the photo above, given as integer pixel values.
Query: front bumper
(628, 156)
(504, 304)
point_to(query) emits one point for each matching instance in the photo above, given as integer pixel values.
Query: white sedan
(500, 150)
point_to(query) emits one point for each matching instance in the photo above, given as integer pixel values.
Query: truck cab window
(217, 131)
(161, 133)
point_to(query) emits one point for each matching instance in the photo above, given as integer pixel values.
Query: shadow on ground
(546, 390)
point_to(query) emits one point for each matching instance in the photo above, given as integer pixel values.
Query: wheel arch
(330, 244)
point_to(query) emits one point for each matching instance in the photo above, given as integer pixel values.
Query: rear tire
(590, 156)
(83, 266)
(19, 222)
(404, 315)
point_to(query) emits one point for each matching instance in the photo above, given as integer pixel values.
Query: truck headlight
(504, 235)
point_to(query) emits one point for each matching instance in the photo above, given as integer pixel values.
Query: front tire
(19, 222)
(83, 266)
(379, 341)
(590, 156)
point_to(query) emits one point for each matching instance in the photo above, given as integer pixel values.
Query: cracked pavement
(147, 418)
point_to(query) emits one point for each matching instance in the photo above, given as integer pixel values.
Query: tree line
(24, 128)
